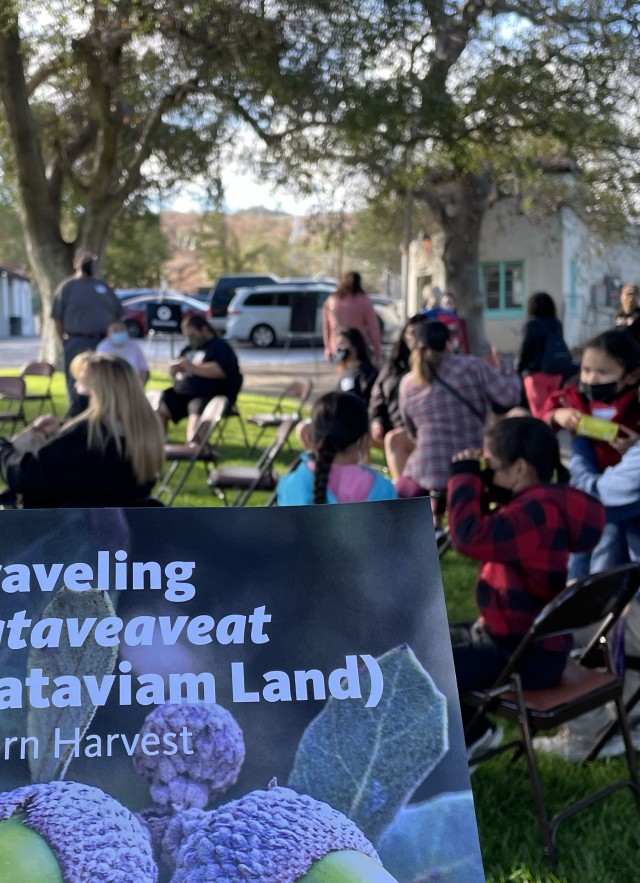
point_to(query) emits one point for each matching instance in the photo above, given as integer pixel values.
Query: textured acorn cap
(93, 837)
(271, 836)
(179, 781)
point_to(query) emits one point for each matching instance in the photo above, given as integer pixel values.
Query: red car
(135, 309)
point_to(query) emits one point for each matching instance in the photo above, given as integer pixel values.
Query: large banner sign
(229, 695)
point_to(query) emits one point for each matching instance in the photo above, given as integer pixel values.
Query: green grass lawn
(602, 845)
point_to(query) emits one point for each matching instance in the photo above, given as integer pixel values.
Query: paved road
(265, 371)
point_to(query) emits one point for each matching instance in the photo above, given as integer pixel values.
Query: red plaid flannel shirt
(523, 546)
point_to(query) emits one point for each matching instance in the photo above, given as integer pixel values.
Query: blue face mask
(119, 338)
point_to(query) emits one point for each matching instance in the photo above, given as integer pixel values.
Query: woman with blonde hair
(109, 455)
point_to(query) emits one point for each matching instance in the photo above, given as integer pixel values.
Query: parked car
(225, 288)
(135, 309)
(389, 316)
(262, 315)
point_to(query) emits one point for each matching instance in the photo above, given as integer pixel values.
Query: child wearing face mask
(523, 546)
(118, 343)
(608, 389)
(356, 372)
(333, 472)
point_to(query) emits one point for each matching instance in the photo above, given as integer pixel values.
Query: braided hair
(338, 420)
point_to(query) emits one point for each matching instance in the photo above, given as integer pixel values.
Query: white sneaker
(490, 739)
(574, 749)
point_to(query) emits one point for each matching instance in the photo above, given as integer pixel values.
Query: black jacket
(66, 474)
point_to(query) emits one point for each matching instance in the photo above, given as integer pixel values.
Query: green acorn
(346, 866)
(66, 832)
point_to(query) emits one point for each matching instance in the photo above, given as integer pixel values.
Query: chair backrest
(209, 419)
(598, 598)
(270, 453)
(298, 389)
(38, 369)
(13, 387)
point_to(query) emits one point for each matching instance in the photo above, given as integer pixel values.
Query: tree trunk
(458, 202)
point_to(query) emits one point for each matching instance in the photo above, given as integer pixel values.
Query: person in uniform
(83, 308)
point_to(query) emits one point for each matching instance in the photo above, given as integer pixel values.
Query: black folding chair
(197, 450)
(300, 390)
(596, 601)
(39, 390)
(247, 479)
(12, 395)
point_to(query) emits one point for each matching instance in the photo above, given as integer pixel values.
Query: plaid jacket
(441, 424)
(524, 546)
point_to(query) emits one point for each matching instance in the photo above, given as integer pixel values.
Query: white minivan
(268, 315)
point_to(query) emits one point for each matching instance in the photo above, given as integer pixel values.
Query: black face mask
(495, 493)
(600, 392)
(87, 267)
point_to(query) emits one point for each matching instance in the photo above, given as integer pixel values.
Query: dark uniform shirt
(86, 306)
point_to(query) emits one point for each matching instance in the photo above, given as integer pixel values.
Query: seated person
(118, 343)
(356, 373)
(109, 455)
(523, 546)
(207, 367)
(339, 438)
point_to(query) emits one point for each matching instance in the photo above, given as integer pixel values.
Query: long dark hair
(542, 306)
(359, 344)
(351, 283)
(620, 344)
(431, 342)
(338, 420)
(400, 352)
(513, 437)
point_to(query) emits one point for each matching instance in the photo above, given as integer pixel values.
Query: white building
(16, 311)
(559, 255)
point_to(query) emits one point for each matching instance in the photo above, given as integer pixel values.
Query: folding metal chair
(12, 395)
(247, 479)
(298, 389)
(197, 450)
(40, 390)
(596, 601)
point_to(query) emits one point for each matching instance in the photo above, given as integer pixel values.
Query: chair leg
(547, 831)
(630, 750)
(180, 483)
(164, 484)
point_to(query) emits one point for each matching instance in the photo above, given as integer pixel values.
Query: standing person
(523, 548)
(109, 455)
(350, 307)
(545, 362)
(118, 343)
(445, 402)
(356, 373)
(445, 310)
(339, 440)
(207, 367)
(629, 314)
(83, 308)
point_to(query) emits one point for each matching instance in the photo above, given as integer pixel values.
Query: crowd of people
(476, 435)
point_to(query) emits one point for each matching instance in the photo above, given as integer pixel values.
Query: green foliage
(136, 250)
(91, 659)
(367, 762)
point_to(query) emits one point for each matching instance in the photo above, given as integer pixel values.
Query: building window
(502, 285)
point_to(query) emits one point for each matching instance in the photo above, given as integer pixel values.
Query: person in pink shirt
(350, 307)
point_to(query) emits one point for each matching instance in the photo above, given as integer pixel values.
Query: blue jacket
(296, 489)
